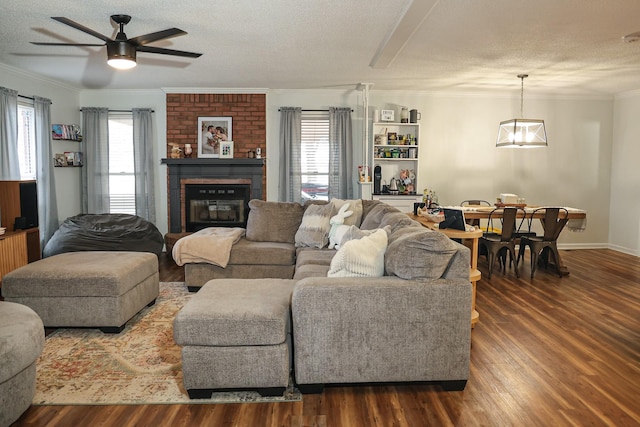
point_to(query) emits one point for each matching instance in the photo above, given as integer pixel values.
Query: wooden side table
(13, 251)
(472, 236)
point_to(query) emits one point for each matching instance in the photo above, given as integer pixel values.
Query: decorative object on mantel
(258, 153)
(211, 132)
(522, 132)
(187, 151)
(175, 151)
(226, 149)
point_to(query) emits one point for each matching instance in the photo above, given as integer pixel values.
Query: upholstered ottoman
(100, 289)
(21, 342)
(236, 334)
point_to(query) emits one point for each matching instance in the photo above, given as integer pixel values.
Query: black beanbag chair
(105, 232)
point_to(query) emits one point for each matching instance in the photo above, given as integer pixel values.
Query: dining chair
(498, 245)
(553, 222)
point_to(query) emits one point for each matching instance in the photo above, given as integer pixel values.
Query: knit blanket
(211, 245)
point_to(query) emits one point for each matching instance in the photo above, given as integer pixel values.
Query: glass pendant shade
(522, 133)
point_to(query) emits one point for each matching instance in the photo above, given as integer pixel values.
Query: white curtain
(290, 154)
(341, 170)
(143, 163)
(95, 172)
(9, 162)
(46, 186)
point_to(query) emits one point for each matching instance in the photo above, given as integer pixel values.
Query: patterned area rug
(140, 365)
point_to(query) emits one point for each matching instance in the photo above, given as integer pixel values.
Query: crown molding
(35, 76)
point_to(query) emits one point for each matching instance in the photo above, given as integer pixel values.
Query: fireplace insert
(216, 205)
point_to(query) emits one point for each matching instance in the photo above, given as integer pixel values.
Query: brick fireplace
(218, 188)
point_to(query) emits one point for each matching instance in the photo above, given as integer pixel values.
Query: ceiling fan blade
(77, 26)
(67, 44)
(151, 49)
(159, 35)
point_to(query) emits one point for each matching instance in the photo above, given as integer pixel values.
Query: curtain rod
(314, 111)
(123, 111)
(31, 98)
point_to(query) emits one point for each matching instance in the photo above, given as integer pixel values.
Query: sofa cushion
(360, 258)
(314, 256)
(418, 253)
(311, 270)
(375, 215)
(273, 221)
(397, 221)
(246, 252)
(354, 233)
(314, 229)
(354, 205)
(367, 205)
(236, 312)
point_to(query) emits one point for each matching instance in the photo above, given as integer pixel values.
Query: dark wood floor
(547, 351)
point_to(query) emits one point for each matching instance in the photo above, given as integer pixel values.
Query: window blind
(314, 159)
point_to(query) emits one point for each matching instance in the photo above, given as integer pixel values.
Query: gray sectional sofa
(412, 323)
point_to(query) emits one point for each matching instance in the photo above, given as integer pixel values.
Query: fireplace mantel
(205, 168)
(213, 162)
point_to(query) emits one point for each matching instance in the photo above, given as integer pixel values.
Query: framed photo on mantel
(212, 131)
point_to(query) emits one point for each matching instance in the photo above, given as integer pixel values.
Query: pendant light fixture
(522, 133)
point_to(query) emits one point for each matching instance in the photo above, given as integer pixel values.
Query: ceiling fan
(121, 51)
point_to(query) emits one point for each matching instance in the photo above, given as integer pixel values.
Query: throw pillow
(360, 258)
(399, 220)
(354, 233)
(354, 205)
(415, 253)
(314, 229)
(273, 221)
(374, 216)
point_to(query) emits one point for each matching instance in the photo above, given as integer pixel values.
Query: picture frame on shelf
(226, 150)
(60, 160)
(212, 131)
(387, 115)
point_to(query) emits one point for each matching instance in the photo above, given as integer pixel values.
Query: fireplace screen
(216, 205)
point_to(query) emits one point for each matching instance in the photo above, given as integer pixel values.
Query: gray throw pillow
(398, 220)
(354, 205)
(314, 229)
(273, 221)
(374, 216)
(415, 253)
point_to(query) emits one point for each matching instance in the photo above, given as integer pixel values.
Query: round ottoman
(21, 342)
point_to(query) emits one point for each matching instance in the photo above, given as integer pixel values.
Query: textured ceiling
(566, 46)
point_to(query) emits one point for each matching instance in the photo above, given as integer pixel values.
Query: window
(26, 141)
(315, 155)
(122, 181)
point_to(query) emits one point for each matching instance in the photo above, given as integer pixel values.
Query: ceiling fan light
(121, 63)
(121, 55)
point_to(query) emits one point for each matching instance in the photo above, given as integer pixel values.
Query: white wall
(64, 109)
(624, 233)
(459, 160)
(458, 155)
